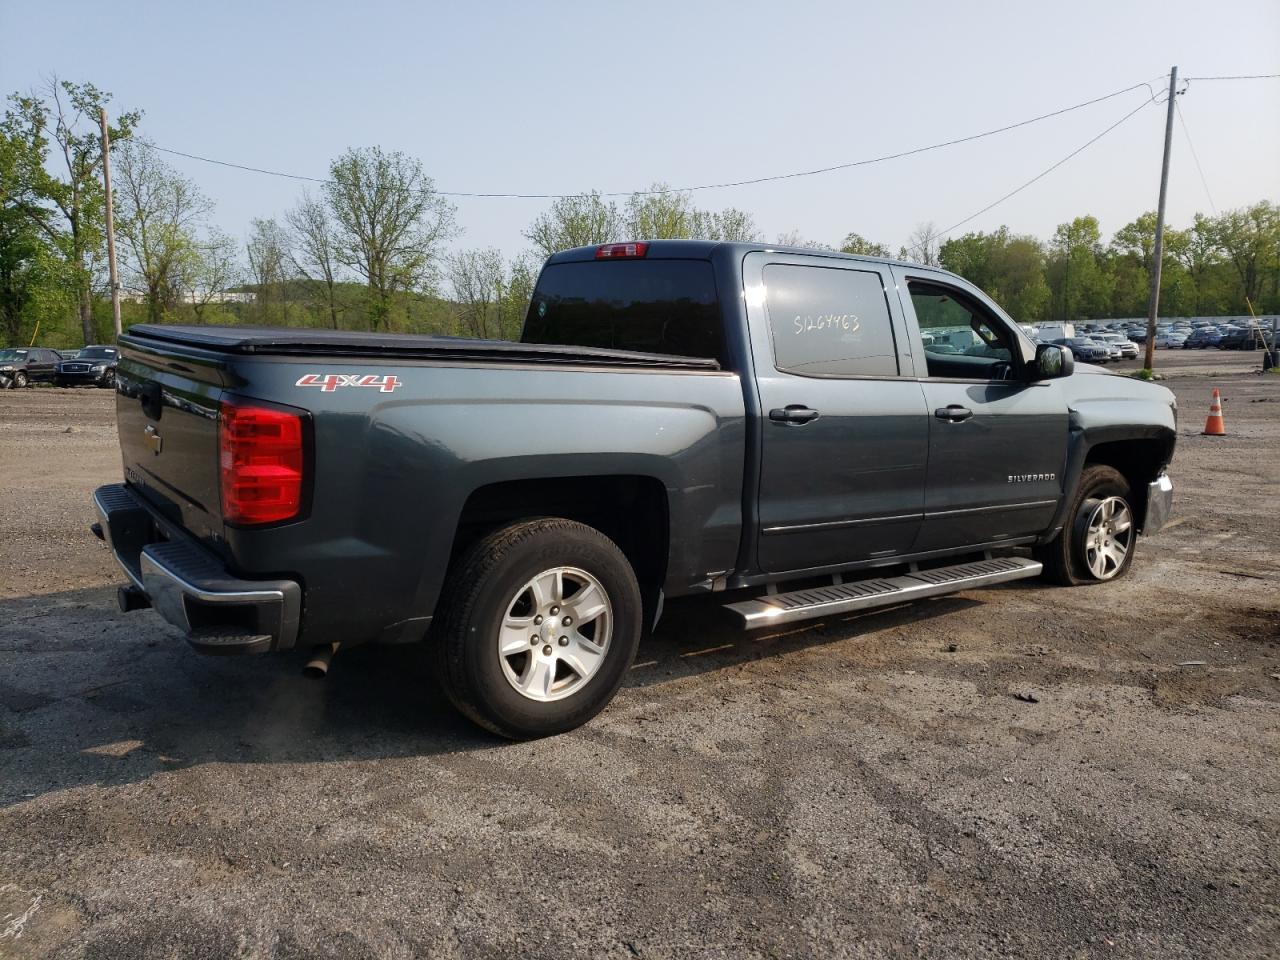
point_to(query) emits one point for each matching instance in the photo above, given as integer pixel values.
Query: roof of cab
(702, 250)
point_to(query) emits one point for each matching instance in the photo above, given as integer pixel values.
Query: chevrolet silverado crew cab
(679, 417)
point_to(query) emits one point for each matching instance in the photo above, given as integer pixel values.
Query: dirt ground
(858, 787)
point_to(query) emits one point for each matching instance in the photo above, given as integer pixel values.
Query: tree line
(370, 248)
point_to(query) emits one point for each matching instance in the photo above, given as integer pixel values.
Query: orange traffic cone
(1214, 426)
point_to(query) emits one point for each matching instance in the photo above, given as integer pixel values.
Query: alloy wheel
(555, 633)
(1108, 537)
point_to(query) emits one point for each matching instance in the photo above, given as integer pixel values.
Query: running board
(865, 594)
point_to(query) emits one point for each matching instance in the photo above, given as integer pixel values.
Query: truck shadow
(92, 696)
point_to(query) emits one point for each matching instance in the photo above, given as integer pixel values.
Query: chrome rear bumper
(189, 586)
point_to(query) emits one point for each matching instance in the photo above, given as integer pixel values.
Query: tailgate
(167, 416)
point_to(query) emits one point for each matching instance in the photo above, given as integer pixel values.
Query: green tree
(1010, 268)
(1196, 249)
(27, 267)
(856, 243)
(727, 225)
(579, 221)
(1249, 239)
(793, 238)
(212, 268)
(482, 283)
(64, 117)
(270, 269)
(160, 212)
(660, 214)
(1081, 287)
(390, 224)
(314, 248)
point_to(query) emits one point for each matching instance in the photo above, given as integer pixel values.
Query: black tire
(20, 379)
(108, 380)
(1065, 558)
(59, 382)
(476, 596)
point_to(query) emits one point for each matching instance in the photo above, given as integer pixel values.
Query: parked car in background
(23, 366)
(1201, 338)
(1084, 350)
(1244, 338)
(1052, 332)
(95, 366)
(1127, 349)
(1169, 339)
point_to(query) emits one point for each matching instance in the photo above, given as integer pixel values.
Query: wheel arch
(632, 510)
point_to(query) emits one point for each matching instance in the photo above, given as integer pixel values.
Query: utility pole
(111, 225)
(1157, 256)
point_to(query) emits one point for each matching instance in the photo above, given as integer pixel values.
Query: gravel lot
(865, 786)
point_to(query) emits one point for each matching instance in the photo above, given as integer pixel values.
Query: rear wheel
(539, 625)
(1097, 544)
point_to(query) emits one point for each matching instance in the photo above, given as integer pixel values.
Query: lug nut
(564, 641)
(537, 620)
(534, 640)
(546, 651)
(568, 620)
(555, 610)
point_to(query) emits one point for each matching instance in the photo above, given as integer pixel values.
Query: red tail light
(621, 251)
(261, 461)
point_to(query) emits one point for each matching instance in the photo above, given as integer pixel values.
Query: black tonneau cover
(288, 341)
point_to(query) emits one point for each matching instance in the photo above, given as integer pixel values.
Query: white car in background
(1128, 349)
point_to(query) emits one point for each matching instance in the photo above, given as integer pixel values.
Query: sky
(564, 97)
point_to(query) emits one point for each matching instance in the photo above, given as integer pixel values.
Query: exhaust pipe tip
(131, 598)
(321, 657)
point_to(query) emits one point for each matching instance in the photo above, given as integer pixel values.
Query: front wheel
(540, 623)
(1097, 543)
(20, 379)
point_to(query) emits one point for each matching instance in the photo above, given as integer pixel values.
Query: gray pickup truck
(809, 432)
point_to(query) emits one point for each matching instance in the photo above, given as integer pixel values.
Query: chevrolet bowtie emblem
(151, 437)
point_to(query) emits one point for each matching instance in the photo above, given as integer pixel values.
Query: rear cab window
(647, 305)
(829, 321)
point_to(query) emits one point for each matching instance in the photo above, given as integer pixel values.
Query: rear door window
(653, 306)
(829, 322)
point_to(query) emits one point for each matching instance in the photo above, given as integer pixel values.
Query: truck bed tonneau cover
(306, 342)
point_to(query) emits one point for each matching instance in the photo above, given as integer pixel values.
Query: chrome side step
(865, 594)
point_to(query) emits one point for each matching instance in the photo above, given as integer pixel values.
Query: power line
(1244, 76)
(1049, 170)
(239, 166)
(1187, 133)
(706, 186)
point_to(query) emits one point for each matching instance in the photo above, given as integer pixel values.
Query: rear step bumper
(189, 586)
(884, 592)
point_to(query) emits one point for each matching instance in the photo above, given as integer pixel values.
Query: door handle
(795, 413)
(953, 412)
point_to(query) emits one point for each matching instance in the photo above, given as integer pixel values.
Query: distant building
(222, 296)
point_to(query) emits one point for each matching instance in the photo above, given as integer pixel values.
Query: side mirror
(1053, 361)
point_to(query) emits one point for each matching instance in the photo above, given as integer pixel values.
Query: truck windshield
(654, 306)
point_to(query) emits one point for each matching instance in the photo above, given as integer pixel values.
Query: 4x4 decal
(329, 382)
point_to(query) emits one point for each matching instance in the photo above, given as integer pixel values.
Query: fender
(1105, 409)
